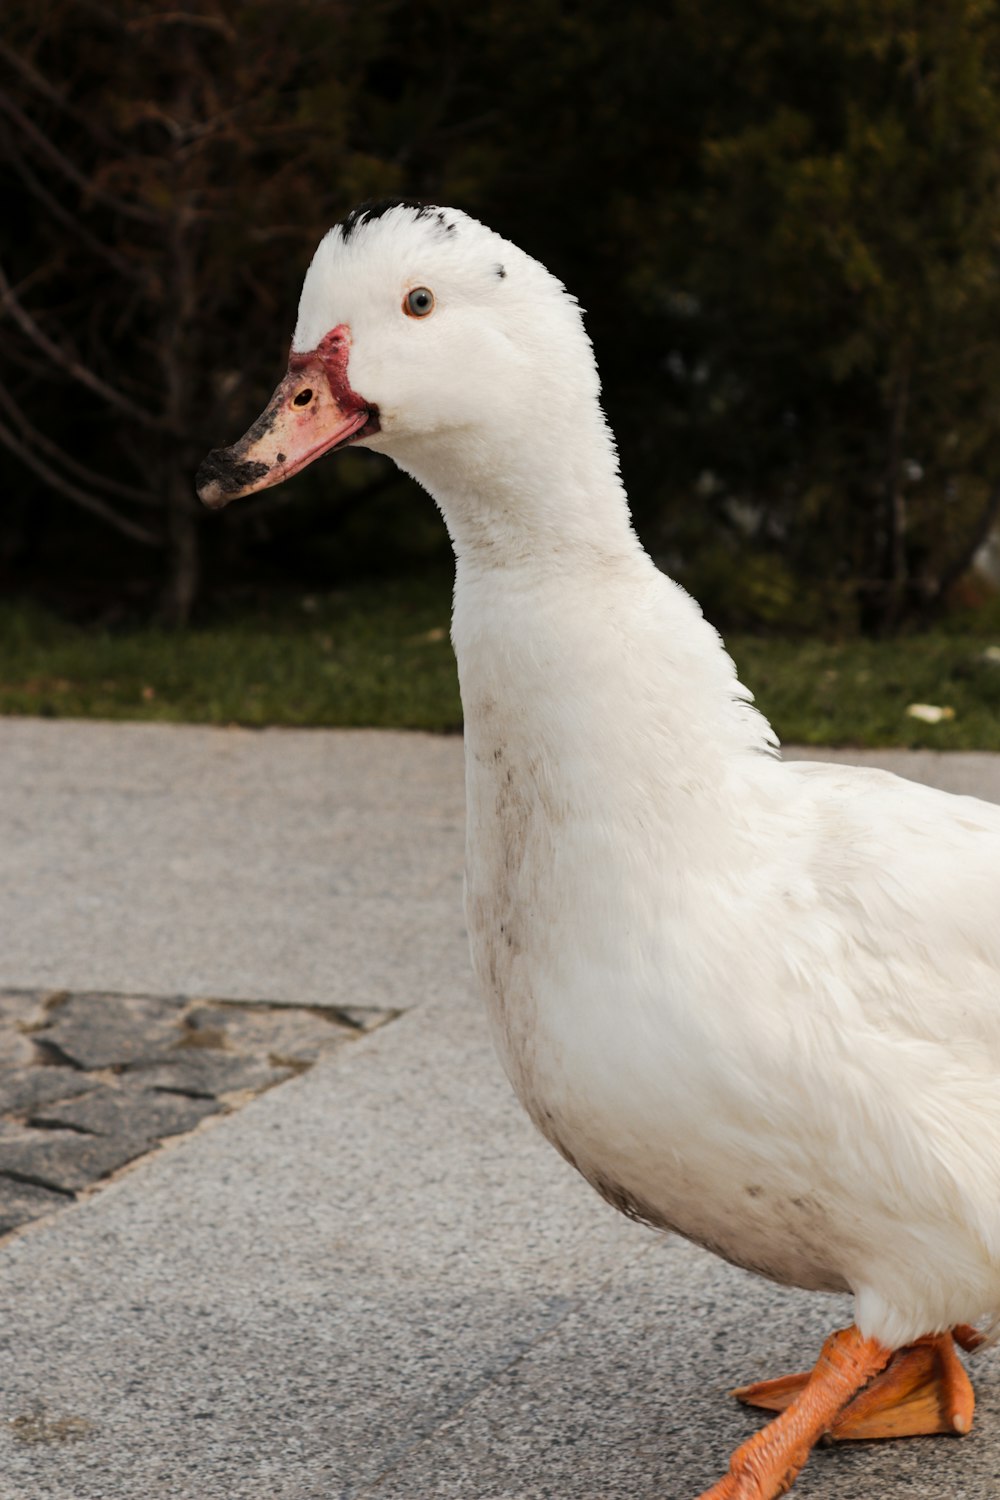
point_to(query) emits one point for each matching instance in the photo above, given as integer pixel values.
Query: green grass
(379, 655)
(858, 692)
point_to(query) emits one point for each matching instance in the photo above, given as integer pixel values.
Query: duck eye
(303, 398)
(419, 302)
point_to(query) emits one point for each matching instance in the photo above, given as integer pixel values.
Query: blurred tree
(171, 170)
(844, 276)
(784, 223)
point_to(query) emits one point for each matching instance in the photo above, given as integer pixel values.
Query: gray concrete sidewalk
(373, 1280)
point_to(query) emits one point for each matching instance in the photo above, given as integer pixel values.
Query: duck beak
(312, 411)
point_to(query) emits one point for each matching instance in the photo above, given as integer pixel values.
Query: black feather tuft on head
(366, 212)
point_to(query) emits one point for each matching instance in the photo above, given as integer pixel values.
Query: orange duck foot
(858, 1389)
(766, 1465)
(923, 1390)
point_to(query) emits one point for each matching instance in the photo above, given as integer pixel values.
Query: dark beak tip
(223, 475)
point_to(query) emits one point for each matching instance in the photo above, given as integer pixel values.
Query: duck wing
(910, 876)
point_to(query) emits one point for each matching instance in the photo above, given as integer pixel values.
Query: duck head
(416, 325)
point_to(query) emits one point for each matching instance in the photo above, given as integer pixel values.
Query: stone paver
(208, 1074)
(90, 1081)
(21, 1201)
(102, 1031)
(148, 1113)
(65, 1160)
(25, 1088)
(21, 1012)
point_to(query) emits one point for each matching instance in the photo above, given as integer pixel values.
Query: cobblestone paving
(91, 1081)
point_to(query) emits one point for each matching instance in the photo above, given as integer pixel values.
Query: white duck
(754, 1002)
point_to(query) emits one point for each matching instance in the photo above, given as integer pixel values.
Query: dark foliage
(783, 220)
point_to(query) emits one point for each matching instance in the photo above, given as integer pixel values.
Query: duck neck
(534, 505)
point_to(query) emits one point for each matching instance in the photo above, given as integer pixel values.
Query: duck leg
(923, 1390)
(766, 1465)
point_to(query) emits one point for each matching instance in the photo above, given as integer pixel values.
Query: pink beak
(312, 411)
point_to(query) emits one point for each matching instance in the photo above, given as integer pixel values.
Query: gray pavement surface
(373, 1280)
(251, 865)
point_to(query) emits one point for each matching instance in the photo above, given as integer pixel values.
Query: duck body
(754, 1002)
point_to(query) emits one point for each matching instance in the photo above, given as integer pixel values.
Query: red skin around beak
(312, 411)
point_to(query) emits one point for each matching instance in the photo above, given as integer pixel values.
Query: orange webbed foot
(766, 1465)
(772, 1395)
(858, 1389)
(923, 1390)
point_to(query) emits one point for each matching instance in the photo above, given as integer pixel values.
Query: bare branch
(89, 476)
(67, 362)
(60, 212)
(81, 497)
(70, 170)
(183, 18)
(48, 91)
